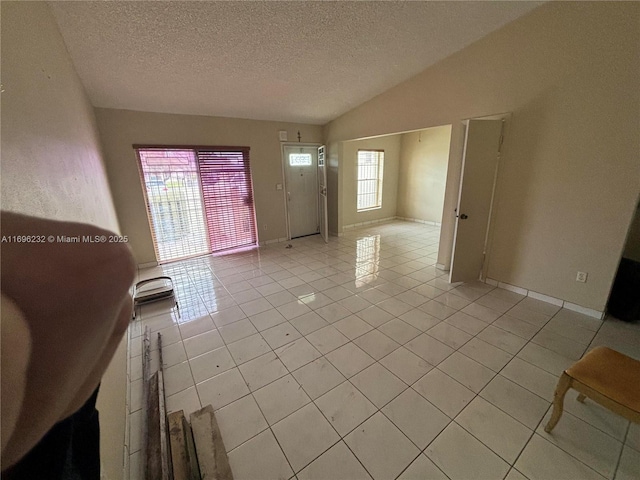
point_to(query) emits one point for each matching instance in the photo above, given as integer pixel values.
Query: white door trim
(284, 178)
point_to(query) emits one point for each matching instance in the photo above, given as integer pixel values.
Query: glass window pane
(300, 159)
(369, 171)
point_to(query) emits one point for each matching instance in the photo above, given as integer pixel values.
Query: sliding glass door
(198, 200)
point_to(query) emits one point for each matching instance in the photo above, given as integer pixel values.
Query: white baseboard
(584, 310)
(547, 298)
(512, 288)
(275, 240)
(418, 220)
(390, 219)
(368, 222)
(148, 265)
(442, 266)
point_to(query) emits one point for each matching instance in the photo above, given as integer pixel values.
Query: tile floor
(356, 360)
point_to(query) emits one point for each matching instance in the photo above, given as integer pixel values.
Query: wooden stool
(605, 376)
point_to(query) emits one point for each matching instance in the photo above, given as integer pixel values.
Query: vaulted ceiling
(300, 61)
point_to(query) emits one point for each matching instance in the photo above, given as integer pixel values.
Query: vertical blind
(198, 200)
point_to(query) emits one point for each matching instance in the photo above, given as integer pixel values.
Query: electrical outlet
(581, 277)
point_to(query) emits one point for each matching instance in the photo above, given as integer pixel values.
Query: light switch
(278, 186)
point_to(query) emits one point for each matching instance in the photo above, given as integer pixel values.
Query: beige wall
(51, 160)
(391, 147)
(424, 158)
(569, 181)
(52, 164)
(120, 129)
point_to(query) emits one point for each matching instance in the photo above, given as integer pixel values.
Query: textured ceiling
(301, 61)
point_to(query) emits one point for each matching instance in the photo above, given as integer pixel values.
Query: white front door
(479, 170)
(301, 176)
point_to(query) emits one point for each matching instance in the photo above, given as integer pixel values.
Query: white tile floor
(356, 359)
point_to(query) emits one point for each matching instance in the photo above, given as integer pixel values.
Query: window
(174, 203)
(300, 159)
(370, 167)
(199, 201)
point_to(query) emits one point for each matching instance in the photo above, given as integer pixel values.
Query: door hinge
(500, 143)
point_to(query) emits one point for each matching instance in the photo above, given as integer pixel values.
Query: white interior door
(479, 168)
(301, 175)
(322, 192)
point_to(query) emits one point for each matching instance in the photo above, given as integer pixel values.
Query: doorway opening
(407, 180)
(624, 302)
(409, 188)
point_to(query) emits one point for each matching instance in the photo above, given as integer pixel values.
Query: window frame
(207, 158)
(378, 179)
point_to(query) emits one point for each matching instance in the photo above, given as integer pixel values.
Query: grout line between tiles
(626, 434)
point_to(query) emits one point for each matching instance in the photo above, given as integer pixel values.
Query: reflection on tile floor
(356, 359)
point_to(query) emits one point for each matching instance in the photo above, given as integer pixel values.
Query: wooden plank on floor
(156, 454)
(146, 373)
(183, 453)
(153, 455)
(165, 458)
(212, 456)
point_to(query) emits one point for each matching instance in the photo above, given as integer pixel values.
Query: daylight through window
(199, 200)
(370, 168)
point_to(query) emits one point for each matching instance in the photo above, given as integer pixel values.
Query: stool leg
(558, 401)
(581, 398)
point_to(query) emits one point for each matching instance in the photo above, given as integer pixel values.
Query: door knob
(463, 217)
